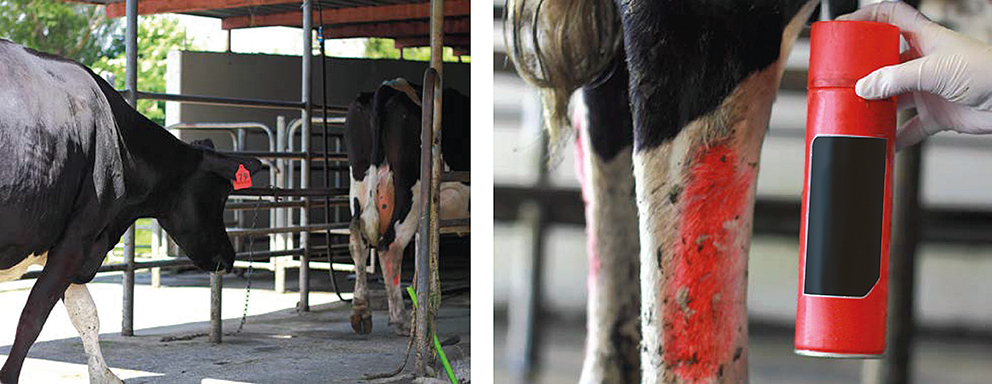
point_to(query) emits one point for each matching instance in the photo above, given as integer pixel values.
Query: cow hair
(560, 46)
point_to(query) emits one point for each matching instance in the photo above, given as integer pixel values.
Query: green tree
(376, 48)
(81, 32)
(76, 31)
(157, 35)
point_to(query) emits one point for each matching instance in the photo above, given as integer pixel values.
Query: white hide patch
(406, 228)
(455, 200)
(15, 272)
(366, 190)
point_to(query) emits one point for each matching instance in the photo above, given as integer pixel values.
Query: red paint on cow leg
(384, 199)
(580, 173)
(704, 293)
(393, 262)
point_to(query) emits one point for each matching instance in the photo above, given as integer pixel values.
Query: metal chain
(251, 251)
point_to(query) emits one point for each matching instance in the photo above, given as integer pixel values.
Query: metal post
(281, 213)
(524, 312)
(896, 365)
(304, 305)
(423, 233)
(427, 279)
(216, 325)
(131, 80)
(525, 304)
(156, 253)
(239, 217)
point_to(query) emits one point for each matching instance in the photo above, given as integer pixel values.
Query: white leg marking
(613, 336)
(82, 312)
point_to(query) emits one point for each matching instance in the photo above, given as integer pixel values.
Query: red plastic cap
(842, 52)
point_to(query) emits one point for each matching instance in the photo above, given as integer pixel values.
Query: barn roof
(406, 21)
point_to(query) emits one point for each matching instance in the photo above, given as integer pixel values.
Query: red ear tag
(242, 178)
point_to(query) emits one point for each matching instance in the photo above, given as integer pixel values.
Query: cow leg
(391, 262)
(361, 314)
(47, 290)
(695, 185)
(604, 162)
(83, 314)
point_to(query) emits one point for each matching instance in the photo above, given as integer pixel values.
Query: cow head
(196, 217)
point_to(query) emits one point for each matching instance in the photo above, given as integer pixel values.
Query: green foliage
(376, 48)
(157, 35)
(82, 33)
(76, 31)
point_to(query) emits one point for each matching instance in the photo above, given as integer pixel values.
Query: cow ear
(227, 166)
(206, 143)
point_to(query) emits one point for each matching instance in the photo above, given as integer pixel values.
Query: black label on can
(844, 223)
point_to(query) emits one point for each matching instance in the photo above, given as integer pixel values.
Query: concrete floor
(278, 345)
(946, 360)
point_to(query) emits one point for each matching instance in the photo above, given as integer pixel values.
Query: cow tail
(560, 46)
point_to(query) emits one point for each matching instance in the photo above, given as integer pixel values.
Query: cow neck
(155, 162)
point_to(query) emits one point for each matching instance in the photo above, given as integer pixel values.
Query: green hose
(437, 344)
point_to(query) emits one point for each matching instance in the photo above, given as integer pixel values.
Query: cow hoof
(361, 321)
(105, 377)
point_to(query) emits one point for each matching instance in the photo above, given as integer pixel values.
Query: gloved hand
(949, 75)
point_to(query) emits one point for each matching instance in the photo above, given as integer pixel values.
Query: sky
(207, 34)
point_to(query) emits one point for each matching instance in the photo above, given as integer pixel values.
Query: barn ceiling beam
(148, 7)
(458, 26)
(414, 42)
(369, 14)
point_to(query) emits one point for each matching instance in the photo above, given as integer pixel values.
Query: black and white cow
(78, 165)
(382, 133)
(680, 92)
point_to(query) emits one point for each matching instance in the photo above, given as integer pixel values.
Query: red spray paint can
(847, 194)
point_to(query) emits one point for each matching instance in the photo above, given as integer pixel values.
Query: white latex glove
(948, 74)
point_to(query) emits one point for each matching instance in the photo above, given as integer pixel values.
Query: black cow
(382, 133)
(78, 166)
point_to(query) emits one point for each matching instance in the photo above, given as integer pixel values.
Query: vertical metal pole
(525, 300)
(896, 365)
(239, 216)
(216, 325)
(131, 80)
(156, 253)
(524, 325)
(304, 305)
(281, 213)
(422, 269)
